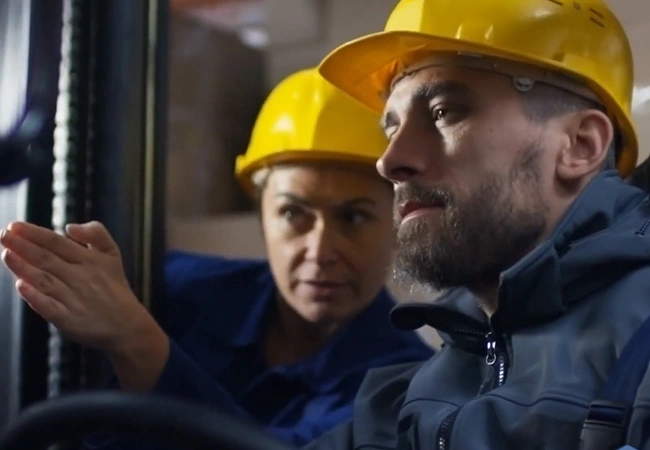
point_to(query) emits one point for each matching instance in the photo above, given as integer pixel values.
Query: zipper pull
(491, 356)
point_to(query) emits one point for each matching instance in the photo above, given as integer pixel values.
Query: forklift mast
(87, 143)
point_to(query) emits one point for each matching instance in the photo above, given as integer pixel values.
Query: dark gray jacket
(525, 379)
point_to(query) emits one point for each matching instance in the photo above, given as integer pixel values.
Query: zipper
(467, 331)
(444, 432)
(491, 354)
(495, 357)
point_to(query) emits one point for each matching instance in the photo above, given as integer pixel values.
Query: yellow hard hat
(580, 39)
(305, 118)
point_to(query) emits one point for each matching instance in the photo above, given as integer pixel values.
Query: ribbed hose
(73, 125)
(63, 362)
(72, 163)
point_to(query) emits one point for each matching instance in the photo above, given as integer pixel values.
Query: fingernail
(3, 233)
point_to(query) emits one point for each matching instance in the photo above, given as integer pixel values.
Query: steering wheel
(180, 423)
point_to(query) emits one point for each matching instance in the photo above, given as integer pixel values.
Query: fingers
(39, 280)
(48, 240)
(34, 255)
(93, 234)
(40, 290)
(42, 304)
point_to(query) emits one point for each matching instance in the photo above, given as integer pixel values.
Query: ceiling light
(254, 37)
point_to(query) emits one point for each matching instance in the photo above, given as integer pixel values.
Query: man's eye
(439, 113)
(390, 131)
(446, 115)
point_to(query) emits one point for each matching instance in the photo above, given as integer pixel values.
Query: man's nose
(407, 155)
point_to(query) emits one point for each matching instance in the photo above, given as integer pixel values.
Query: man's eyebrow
(426, 92)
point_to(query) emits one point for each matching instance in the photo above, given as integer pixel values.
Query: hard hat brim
(361, 68)
(244, 169)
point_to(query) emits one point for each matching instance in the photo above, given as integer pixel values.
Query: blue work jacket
(214, 313)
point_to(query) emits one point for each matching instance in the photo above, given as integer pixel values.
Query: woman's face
(329, 237)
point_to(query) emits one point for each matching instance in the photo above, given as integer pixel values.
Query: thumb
(93, 234)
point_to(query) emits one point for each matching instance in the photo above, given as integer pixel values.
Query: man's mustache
(410, 192)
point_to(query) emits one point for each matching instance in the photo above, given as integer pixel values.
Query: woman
(285, 342)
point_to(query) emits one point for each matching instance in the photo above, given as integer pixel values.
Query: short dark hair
(544, 102)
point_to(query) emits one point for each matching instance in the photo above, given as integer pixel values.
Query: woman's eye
(292, 213)
(356, 217)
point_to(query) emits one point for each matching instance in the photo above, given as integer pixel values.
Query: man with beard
(508, 126)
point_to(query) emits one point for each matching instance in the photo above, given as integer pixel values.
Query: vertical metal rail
(71, 170)
(109, 150)
(153, 232)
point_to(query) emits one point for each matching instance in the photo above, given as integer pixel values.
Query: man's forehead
(467, 77)
(430, 82)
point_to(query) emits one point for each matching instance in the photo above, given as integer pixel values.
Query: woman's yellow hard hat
(305, 118)
(580, 39)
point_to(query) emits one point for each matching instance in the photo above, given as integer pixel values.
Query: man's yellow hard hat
(580, 39)
(305, 118)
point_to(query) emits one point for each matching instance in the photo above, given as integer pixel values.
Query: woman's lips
(318, 288)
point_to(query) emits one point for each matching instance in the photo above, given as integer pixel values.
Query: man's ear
(590, 134)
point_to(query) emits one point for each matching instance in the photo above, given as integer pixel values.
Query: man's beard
(479, 236)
